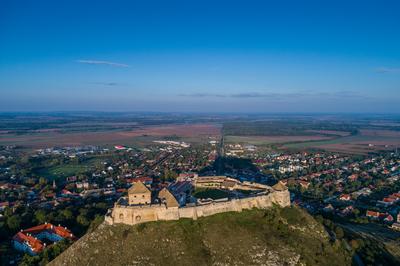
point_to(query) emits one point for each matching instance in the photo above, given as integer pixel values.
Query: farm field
(264, 140)
(380, 133)
(363, 142)
(367, 141)
(331, 132)
(118, 137)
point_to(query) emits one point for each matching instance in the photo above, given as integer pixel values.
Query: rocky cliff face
(278, 236)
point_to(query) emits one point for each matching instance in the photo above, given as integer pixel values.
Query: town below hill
(345, 172)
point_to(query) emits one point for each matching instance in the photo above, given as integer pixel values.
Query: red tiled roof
(388, 200)
(373, 214)
(389, 218)
(4, 204)
(37, 245)
(142, 179)
(63, 232)
(37, 229)
(345, 196)
(353, 177)
(383, 215)
(66, 192)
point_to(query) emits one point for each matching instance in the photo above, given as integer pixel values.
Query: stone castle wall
(141, 214)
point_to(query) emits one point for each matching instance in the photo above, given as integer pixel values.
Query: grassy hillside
(258, 237)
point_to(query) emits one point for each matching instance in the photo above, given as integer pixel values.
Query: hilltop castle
(141, 206)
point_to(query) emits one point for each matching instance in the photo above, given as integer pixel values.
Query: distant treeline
(26, 123)
(22, 123)
(284, 128)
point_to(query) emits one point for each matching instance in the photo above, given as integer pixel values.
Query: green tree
(67, 214)
(14, 222)
(339, 232)
(40, 216)
(28, 260)
(82, 220)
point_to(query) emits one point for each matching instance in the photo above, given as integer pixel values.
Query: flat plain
(44, 138)
(346, 134)
(366, 141)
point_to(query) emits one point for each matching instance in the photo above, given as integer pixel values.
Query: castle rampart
(146, 213)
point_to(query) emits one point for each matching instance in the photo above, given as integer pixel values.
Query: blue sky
(200, 56)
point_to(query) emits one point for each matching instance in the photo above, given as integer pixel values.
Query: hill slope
(267, 237)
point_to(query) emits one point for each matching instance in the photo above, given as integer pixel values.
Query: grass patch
(62, 171)
(68, 169)
(204, 193)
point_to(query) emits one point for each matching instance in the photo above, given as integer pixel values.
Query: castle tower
(168, 198)
(279, 186)
(139, 194)
(281, 195)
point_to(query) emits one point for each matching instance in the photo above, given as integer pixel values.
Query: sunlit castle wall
(140, 214)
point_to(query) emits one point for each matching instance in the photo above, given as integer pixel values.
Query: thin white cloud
(201, 95)
(387, 70)
(280, 96)
(106, 83)
(100, 62)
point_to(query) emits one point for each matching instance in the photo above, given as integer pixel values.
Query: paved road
(380, 233)
(373, 230)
